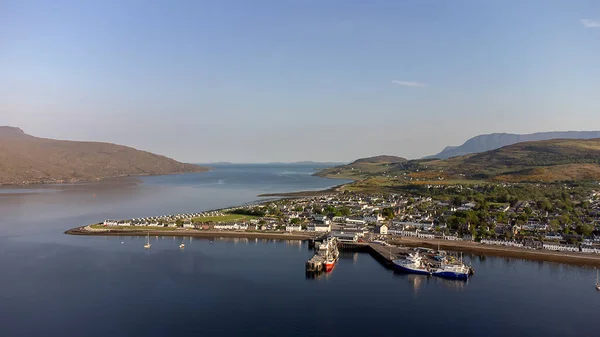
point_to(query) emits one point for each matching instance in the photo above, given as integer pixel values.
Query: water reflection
(417, 281)
(320, 275)
(453, 284)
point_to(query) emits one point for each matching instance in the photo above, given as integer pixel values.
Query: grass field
(227, 217)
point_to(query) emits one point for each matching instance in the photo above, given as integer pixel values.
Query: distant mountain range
(26, 159)
(494, 141)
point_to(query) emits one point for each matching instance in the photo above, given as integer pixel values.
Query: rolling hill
(547, 160)
(363, 167)
(536, 161)
(26, 159)
(379, 160)
(483, 143)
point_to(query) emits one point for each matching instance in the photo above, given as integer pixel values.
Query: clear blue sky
(256, 81)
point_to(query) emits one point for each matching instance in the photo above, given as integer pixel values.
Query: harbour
(434, 262)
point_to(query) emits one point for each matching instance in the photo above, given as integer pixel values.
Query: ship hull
(451, 275)
(408, 269)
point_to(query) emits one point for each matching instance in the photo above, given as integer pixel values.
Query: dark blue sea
(53, 284)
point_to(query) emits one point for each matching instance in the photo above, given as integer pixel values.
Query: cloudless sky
(287, 80)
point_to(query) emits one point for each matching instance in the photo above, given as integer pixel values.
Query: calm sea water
(60, 285)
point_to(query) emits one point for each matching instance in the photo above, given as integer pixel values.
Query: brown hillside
(25, 159)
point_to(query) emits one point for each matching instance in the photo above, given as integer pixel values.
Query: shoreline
(299, 194)
(575, 258)
(193, 233)
(129, 178)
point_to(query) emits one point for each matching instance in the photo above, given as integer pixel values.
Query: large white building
(317, 227)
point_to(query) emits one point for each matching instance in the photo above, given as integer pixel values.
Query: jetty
(386, 253)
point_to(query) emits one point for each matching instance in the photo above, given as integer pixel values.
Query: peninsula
(368, 219)
(25, 159)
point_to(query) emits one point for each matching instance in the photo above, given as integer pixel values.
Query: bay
(60, 285)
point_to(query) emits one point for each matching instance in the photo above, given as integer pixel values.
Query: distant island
(25, 159)
(483, 143)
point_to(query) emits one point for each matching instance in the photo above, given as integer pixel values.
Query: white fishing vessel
(457, 270)
(597, 281)
(413, 264)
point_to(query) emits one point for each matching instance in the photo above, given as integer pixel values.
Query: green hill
(547, 160)
(536, 161)
(364, 168)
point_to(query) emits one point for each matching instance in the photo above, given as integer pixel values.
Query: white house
(560, 248)
(372, 218)
(317, 227)
(224, 226)
(320, 217)
(345, 237)
(293, 228)
(356, 221)
(383, 229)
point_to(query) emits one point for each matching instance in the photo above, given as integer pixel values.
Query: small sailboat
(597, 281)
(148, 245)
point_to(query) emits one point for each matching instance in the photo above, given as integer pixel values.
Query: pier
(384, 254)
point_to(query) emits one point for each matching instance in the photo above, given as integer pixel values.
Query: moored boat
(413, 264)
(325, 257)
(452, 271)
(148, 245)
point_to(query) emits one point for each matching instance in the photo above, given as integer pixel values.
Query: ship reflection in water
(317, 275)
(453, 284)
(417, 281)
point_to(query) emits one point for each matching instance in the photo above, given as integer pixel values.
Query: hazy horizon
(271, 81)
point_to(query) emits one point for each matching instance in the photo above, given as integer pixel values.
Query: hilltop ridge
(25, 159)
(536, 161)
(487, 142)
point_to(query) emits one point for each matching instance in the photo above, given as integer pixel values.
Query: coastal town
(357, 217)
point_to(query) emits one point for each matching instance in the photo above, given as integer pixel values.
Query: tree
(458, 200)
(329, 210)
(544, 204)
(585, 230)
(388, 213)
(295, 221)
(554, 225)
(179, 223)
(345, 211)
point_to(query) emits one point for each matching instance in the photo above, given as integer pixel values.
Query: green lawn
(227, 217)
